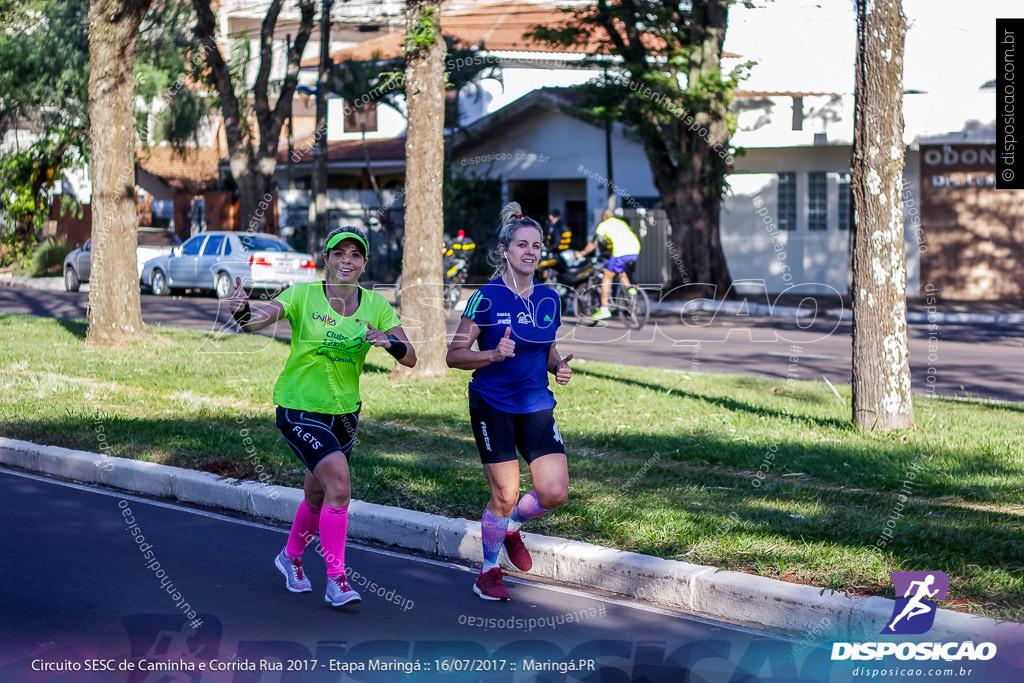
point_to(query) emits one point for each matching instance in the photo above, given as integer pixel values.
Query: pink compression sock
(303, 528)
(333, 531)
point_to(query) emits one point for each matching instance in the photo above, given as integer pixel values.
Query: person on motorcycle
(558, 233)
(625, 250)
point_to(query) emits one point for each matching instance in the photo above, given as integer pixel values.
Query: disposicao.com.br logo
(914, 614)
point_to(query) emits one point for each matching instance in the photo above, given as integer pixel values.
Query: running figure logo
(914, 613)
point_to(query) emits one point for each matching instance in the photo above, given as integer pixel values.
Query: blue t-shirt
(518, 384)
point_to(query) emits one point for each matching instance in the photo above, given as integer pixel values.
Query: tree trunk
(255, 195)
(253, 161)
(694, 219)
(881, 370)
(115, 308)
(692, 187)
(423, 314)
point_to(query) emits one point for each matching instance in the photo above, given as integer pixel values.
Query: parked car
(77, 264)
(212, 260)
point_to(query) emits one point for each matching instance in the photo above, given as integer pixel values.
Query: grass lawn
(756, 475)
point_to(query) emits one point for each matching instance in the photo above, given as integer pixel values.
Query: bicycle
(631, 305)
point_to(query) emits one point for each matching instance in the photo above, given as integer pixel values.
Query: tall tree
(253, 158)
(667, 83)
(115, 308)
(881, 365)
(422, 277)
(44, 79)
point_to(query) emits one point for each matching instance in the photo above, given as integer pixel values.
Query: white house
(787, 217)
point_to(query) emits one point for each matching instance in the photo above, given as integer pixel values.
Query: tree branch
(205, 32)
(271, 132)
(259, 91)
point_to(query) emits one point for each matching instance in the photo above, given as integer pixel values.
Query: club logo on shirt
(524, 319)
(327, 319)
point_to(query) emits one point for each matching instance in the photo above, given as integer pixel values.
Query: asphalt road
(946, 359)
(76, 586)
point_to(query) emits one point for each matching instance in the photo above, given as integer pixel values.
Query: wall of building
(817, 260)
(974, 234)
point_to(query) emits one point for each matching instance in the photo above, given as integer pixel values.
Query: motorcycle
(456, 267)
(455, 257)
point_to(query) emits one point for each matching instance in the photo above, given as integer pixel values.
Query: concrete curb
(725, 594)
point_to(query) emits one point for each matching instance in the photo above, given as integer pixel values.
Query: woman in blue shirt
(513, 320)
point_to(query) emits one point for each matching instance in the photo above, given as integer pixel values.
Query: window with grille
(787, 200)
(845, 201)
(817, 200)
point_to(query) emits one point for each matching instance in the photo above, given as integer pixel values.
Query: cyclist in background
(625, 250)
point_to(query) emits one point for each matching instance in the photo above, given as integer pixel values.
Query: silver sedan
(212, 261)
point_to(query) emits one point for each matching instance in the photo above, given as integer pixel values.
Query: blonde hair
(511, 219)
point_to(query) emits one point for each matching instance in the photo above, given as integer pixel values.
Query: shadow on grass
(77, 328)
(430, 462)
(722, 402)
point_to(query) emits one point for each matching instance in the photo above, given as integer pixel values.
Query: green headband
(347, 235)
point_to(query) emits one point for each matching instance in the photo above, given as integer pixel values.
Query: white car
(77, 264)
(212, 260)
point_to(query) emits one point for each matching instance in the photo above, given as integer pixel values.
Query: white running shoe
(339, 593)
(294, 575)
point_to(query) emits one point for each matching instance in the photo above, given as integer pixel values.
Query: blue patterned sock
(526, 509)
(492, 530)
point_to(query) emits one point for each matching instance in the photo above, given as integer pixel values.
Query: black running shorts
(314, 436)
(498, 434)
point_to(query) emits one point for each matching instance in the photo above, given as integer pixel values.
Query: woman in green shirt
(334, 323)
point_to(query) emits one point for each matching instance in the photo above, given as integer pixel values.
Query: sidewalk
(47, 284)
(703, 590)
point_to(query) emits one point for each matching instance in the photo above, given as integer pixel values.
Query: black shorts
(498, 433)
(314, 436)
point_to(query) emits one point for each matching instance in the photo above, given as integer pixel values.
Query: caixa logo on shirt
(913, 614)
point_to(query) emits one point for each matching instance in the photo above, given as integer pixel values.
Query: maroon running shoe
(489, 586)
(517, 554)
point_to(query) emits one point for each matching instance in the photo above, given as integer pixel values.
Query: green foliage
(423, 35)
(44, 78)
(13, 249)
(44, 62)
(49, 256)
(25, 180)
(365, 82)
